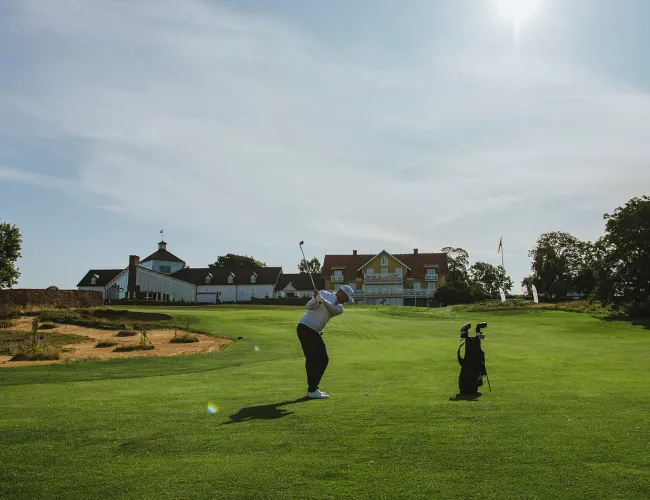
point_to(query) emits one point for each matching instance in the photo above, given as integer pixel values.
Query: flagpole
(501, 250)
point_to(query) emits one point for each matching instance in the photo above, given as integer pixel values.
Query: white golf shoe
(317, 394)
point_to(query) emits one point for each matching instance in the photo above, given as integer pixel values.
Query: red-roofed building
(385, 278)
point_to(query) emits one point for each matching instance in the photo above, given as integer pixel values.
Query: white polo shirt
(320, 309)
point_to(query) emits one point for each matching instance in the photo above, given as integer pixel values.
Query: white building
(163, 261)
(164, 277)
(231, 285)
(298, 285)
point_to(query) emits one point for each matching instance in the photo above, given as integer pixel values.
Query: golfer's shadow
(263, 412)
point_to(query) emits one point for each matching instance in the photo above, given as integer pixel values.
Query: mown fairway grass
(568, 415)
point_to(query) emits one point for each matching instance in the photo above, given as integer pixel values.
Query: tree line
(614, 269)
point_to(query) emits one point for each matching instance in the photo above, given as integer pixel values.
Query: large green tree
(234, 261)
(10, 245)
(458, 262)
(490, 277)
(621, 258)
(306, 266)
(558, 259)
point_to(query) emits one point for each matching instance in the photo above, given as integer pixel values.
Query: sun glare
(517, 12)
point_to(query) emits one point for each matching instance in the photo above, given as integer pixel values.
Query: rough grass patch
(28, 352)
(126, 333)
(184, 338)
(144, 344)
(106, 343)
(133, 347)
(10, 340)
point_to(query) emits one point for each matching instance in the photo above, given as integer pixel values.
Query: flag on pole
(500, 249)
(535, 296)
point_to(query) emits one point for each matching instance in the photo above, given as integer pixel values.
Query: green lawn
(568, 415)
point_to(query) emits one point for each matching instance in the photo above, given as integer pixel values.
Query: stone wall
(23, 297)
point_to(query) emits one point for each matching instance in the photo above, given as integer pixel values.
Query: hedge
(24, 297)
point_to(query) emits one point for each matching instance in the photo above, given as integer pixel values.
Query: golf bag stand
(472, 366)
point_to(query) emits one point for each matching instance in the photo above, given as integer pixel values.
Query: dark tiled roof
(162, 254)
(265, 275)
(104, 277)
(417, 262)
(300, 282)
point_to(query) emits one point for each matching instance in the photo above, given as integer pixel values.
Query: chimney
(415, 251)
(134, 262)
(354, 252)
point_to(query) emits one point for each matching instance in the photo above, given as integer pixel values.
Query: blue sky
(246, 126)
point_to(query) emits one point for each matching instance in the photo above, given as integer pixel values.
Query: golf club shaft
(488, 379)
(308, 268)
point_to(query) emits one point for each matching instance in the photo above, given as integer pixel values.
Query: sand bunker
(87, 350)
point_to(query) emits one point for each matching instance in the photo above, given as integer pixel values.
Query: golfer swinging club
(323, 306)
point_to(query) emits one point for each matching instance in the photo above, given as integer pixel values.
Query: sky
(246, 126)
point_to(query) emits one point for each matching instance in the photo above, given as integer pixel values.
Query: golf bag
(472, 366)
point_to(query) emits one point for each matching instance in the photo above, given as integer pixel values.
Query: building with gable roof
(298, 285)
(385, 278)
(163, 261)
(162, 276)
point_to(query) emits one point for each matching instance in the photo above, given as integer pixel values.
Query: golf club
(307, 264)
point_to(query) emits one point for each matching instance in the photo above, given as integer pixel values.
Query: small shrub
(106, 343)
(47, 326)
(132, 347)
(185, 338)
(126, 333)
(144, 340)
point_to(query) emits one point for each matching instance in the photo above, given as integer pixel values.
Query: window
(93, 280)
(384, 261)
(231, 278)
(416, 286)
(165, 269)
(398, 271)
(254, 278)
(384, 270)
(370, 270)
(208, 278)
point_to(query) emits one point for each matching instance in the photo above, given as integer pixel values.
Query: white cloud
(11, 174)
(200, 116)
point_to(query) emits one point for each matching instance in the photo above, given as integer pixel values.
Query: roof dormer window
(384, 261)
(208, 278)
(253, 278)
(93, 280)
(231, 278)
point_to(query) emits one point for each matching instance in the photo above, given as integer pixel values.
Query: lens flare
(213, 408)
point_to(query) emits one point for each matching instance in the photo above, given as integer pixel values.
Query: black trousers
(316, 359)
